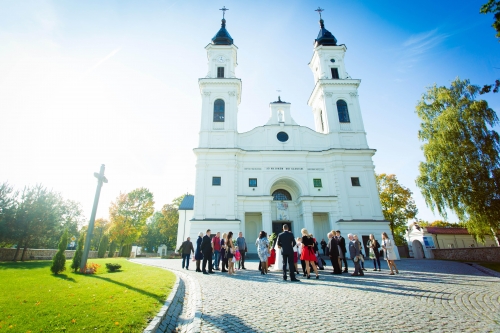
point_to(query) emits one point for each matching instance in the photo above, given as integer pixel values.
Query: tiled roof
(450, 231)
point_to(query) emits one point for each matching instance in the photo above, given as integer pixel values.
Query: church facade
(281, 172)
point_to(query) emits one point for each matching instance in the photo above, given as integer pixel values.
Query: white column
(267, 225)
(308, 222)
(332, 218)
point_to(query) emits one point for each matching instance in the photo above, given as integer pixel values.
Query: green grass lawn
(32, 299)
(491, 265)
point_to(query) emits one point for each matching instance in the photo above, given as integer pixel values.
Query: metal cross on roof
(319, 10)
(223, 10)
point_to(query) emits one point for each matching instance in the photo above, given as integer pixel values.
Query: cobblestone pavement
(427, 296)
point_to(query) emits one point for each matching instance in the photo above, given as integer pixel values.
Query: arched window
(280, 195)
(343, 112)
(219, 111)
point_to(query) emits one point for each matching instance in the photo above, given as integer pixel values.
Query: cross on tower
(215, 204)
(360, 209)
(224, 10)
(319, 10)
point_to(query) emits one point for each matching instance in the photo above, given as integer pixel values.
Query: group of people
(215, 252)
(286, 251)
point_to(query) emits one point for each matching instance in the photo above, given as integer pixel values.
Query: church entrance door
(278, 226)
(253, 226)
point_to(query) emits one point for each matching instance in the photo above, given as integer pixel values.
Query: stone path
(427, 296)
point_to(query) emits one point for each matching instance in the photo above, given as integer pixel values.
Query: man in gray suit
(354, 252)
(286, 242)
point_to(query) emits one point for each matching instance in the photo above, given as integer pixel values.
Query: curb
(155, 323)
(485, 270)
(194, 325)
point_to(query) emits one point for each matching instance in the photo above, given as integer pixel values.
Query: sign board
(429, 242)
(282, 211)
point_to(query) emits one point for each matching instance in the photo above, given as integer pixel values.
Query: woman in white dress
(278, 266)
(389, 253)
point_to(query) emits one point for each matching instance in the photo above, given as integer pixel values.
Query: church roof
(222, 37)
(325, 37)
(187, 203)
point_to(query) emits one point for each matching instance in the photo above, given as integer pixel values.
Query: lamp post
(100, 180)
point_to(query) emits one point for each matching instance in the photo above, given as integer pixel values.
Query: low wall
(40, 254)
(403, 251)
(491, 254)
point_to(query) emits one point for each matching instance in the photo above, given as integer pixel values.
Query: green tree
(77, 258)
(7, 213)
(112, 250)
(461, 150)
(128, 215)
(493, 7)
(151, 237)
(59, 260)
(397, 205)
(36, 218)
(101, 227)
(169, 222)
(103, 246)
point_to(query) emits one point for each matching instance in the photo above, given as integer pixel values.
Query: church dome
(222, 37)
(325, 37)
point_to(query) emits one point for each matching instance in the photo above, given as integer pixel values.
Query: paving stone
(427, 296)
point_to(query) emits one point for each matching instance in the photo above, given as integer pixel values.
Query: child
(237, 256)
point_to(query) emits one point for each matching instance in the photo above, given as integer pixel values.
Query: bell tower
(334, 100)
(220, 91)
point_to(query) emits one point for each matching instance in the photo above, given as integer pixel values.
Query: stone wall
(40, 254)
(491, 254)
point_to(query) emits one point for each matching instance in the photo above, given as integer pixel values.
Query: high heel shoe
(317, 277)
(308, 276)
(262, 273)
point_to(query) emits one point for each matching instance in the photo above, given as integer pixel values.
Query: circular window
(332, 60)
(282, 136)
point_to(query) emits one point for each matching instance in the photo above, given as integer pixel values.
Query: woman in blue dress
(263, 250)
(198, 256)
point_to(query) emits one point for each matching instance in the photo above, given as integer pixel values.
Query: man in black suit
(341, 241)
(206, 249)
(286, 242)
(333, 253)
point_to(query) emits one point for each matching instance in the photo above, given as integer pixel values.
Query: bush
(112, 250)
(59, 260)
(91, 268)
(77, 259)
(103, 246)
(113, 267)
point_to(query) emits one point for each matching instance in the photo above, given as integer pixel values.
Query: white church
(321, 179)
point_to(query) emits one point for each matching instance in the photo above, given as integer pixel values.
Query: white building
(423, 239)
(281, 172)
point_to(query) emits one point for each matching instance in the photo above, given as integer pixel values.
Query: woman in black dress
(308, 254)
(223, 254)
(198, 256)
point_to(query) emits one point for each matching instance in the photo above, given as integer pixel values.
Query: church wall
(184, 227)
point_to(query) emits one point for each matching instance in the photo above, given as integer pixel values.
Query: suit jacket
(186, 247)
(287, 242)
(341, 241)
(354, 249)
(206, 244)
(333, 249)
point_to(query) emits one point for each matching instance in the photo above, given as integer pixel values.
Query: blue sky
(115, 82)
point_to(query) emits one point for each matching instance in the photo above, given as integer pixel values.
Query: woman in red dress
(308, 254)
(272, 258)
